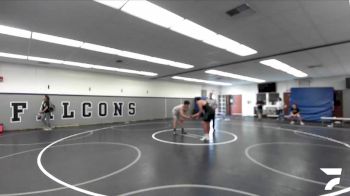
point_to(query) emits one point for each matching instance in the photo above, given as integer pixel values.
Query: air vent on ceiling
(314, 66)
(240, 10)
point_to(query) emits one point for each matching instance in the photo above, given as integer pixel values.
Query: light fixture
(45, 60)
(136, 72)
(276, 64)
(145, 73)
(235, 76)
(181, 65)
(151, 13)
(15, 32)
(101, 67)
(76, 64)
(92, 47)
(201, 81)
(159, 60)
(13, 56)
(242, 50)
(230, 45)
(221, 41)
(56, 40)
(134, 55)
(102, 49)
(193, 30)
(117, 4)
(155, 14)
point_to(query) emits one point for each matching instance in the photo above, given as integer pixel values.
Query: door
(286, 99)
(236, 106)
(228, 104)
(338, 104)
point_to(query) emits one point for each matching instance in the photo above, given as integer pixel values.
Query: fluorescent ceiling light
(242, 50)
(193, 30)
(151, 13)
(77, 64)
(46, 60)
(235, 76)
(276, 64)
(137, 72)
(117, 4)
(230, 45)
(99, 48)
(95, 47)
(134, 55)
(170, 63)
(201, 81)
(221, 42)
(159, 60)
(145, 73)
(155, 14)
(15, 32)
(56, 40)
(13, 56)
(181, 65)
(101, 67)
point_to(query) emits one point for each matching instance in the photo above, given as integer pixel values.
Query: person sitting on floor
(295, 115)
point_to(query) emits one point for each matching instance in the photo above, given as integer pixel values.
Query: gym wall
(249, 91)
(19, 111)
(26, 83)
(19, 78)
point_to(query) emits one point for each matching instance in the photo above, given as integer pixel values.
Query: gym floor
(244, 157)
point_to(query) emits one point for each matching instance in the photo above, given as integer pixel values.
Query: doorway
(234, 105)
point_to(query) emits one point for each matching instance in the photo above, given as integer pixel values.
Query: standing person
(213, 104)
(207, 113)
(279, 109)
(295, 115)
(259, 109)
(179, 116)
(45, 113)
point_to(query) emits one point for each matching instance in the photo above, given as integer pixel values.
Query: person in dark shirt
(45, 113)
(295, 115)
(207, 114)
(259, 109)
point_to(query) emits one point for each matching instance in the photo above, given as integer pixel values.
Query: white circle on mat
(189, 186)
(233, 139)
(248, 149)
(138, 152)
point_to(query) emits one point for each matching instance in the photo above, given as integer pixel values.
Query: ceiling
(275, 27)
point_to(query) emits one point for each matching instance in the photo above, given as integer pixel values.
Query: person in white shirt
(213, 104)
(179, 116)
(279, 109)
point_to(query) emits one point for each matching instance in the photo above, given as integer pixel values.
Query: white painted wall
(35, 79)
(249, 91)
